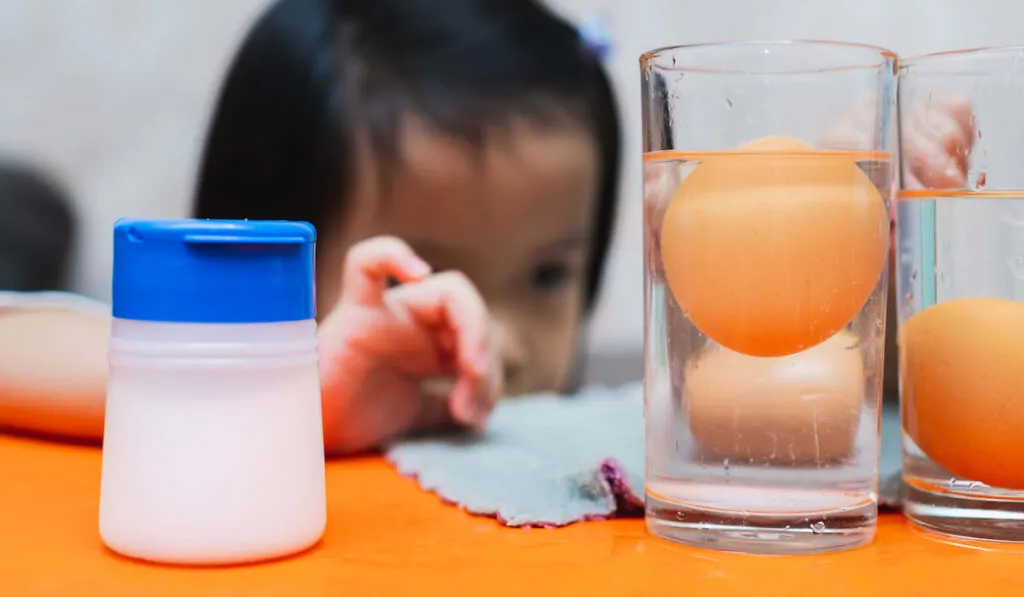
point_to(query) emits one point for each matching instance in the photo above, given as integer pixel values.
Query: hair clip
(595, 35)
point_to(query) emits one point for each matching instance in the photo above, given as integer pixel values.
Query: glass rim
(958, 62)
(881, 56)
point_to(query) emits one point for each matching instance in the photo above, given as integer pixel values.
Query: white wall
(113, 94)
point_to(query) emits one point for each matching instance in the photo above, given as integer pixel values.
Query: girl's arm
(378, 346)
(53, 368)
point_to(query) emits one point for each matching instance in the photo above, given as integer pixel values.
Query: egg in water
(774, 247)
(803, 409)
(962, 376)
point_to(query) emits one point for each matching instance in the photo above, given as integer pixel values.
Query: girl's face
(515, 216)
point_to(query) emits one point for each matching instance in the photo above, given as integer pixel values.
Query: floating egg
(774, 247)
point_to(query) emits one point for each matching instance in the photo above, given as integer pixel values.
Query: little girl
(461, 167)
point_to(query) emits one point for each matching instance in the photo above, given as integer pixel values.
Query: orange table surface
(386, 537)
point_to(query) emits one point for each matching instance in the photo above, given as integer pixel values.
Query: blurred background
(107, 100)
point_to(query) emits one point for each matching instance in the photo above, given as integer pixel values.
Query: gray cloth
(547, 461)
(543, 461)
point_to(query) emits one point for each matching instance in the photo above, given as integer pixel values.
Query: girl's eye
(549, 277)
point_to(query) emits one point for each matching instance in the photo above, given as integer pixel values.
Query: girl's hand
(937, 141)
(937, 137)
(380, 347)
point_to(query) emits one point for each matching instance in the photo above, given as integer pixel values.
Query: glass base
(986, 518)
(759, 533)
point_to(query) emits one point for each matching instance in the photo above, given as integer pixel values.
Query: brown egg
(962, 364)
(773, 248)
(799, 409)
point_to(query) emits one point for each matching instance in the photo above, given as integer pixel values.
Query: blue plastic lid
(214, 271)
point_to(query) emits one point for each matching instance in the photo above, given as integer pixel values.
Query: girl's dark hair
(314, 74)
(37, 229)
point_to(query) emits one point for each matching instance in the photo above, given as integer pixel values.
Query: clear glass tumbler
(960, 283)
(768, 182)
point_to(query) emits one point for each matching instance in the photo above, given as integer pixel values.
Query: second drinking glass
(767, 188)
(961, 292)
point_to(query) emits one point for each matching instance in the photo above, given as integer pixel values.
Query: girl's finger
(958, 112)
(947, 120)
(449, 304)
(930, 163)
(370, 263)
(449, 301)
(473, 400)
(387, 339)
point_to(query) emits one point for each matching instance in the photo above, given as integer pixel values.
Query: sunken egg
(962, 377)
(802, 409)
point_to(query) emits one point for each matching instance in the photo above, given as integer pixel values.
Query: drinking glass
(960, 283)
(768, 182)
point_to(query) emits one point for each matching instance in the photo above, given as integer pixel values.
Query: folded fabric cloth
(547, 460)
(543, 461)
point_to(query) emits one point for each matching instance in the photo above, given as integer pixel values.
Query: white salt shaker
(213, 447)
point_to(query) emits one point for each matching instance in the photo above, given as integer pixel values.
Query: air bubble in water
(955, 483)
(818, 527)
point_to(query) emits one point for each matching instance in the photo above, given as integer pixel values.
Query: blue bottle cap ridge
(214, 271)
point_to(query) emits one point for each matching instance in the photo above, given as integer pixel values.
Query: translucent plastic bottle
(213, 446)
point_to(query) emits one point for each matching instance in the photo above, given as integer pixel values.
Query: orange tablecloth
(385, 536)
